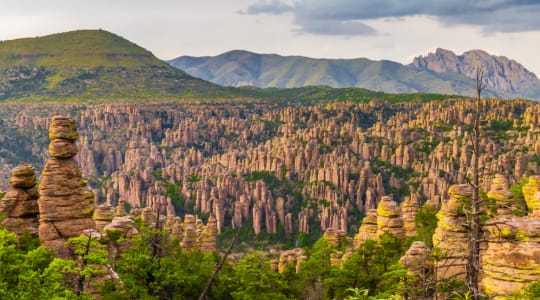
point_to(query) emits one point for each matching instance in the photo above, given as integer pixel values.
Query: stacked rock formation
(120, 210)
(389, 218)
(189, 237)
(510, 262)
(409, 208)
(368, 229)
(19, 205)
(419, 268)
(293, 257)
(450, 235)
(65, 203)
(334, 236)
(501, 194)
(124, 226)
(103, 215)
(208, 238)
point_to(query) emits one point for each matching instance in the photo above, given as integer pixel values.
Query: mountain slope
(501, 73)
(89, 64)
(237, 68)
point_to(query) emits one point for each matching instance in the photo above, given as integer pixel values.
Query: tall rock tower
(65, 203)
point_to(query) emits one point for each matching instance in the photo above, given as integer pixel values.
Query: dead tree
(475, 230)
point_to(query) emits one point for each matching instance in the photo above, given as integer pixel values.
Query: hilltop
(89, 64)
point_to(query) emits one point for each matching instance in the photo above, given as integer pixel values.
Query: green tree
(28, 272)
(254, 279)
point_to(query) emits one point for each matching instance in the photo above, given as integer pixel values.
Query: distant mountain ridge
(436, 73)
(501, 73)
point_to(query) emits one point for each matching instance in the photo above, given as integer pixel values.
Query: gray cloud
(273, 7)
(344, 17)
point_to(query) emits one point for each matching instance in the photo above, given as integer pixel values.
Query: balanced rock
(65, 203)
(123, 226)
(389, 218)
(19, 204)
(120, 208)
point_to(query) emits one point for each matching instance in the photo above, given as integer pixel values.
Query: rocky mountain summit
(501, 73)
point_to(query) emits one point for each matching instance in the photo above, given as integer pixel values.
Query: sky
(396, 30)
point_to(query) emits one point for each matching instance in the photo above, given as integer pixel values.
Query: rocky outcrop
(510, 261)
(417, 262)
(529, 193)
(293, 257)
(409, 208)
(103, 215)
(451, 237)
(500, 72)
(368, 229)
(389, 218)
(500, 192)
(121, 226)
(19, 205)
(66, 204)
(334, 236)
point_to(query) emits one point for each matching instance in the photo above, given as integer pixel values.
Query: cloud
(273, 7)
(345, 17)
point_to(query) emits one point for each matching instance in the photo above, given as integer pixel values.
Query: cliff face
(501, 73)
(65, 203)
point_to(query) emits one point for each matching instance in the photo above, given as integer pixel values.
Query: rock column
(19, 205)
(65, 203)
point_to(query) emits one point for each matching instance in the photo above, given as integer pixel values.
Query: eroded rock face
(450, 236)
(409, 209)
(510, 261)
(19, 205)
(389, 218)
(65, 203)
(501, 193)
(529, 190)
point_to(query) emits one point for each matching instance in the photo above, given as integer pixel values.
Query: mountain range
(96, 65)
(440, 72)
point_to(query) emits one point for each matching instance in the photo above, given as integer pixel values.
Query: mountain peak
(501, 73)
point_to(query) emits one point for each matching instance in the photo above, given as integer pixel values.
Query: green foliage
(426, 222)
(519, 207)
(165, 274)
(28, 273)
(252, 278)
(532, 291)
